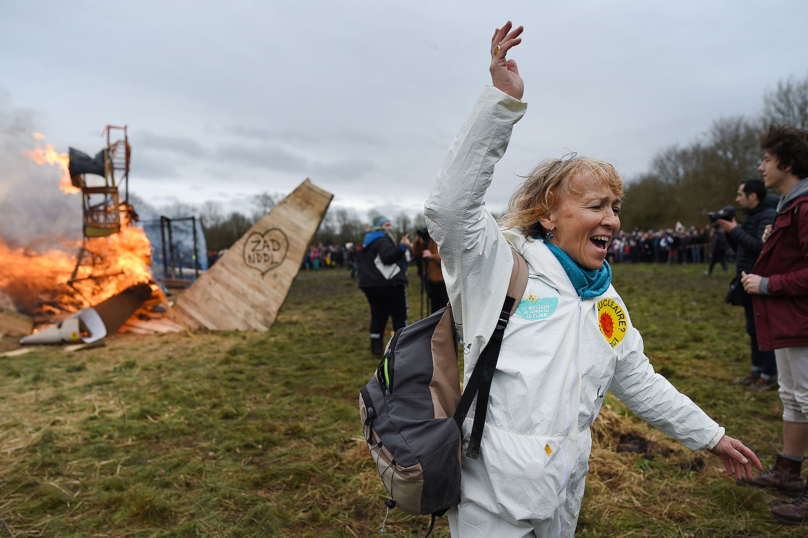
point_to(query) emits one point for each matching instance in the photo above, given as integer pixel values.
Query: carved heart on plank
(265, 251)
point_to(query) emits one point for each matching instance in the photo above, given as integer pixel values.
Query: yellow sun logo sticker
(612, 321)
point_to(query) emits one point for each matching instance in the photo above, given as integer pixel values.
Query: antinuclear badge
(539, 301)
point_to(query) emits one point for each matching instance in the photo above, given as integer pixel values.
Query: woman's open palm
(504, 73)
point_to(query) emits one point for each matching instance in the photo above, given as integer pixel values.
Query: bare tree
(178, 210)
(683, 181)
(350, 227)
(788, 104)
(674, 166)
(644, 205)
(211, 214)
(263, 203)
(402, 225)
(419, 222)
(732, 156)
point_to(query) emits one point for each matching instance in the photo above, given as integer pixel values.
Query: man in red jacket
(779, 288)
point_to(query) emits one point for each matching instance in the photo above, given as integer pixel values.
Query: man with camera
(747, 241)
(778, 284)
(426, 252)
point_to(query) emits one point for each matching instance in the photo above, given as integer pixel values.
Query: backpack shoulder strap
(518, 283)
(480, 381)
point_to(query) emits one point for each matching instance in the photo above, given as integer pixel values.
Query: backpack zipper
(382, 376)
(386, 370)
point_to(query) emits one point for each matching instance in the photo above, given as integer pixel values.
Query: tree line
(684, 182)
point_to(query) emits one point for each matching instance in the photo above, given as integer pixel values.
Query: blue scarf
(588, 283)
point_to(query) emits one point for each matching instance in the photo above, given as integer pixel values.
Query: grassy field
(257, 434)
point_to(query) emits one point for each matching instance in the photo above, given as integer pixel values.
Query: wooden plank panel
(152, 326)
(246, 287)
(117, 309)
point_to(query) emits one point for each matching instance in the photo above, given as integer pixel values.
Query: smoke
(34, 213)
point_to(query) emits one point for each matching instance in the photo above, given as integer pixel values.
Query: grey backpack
(412, 410)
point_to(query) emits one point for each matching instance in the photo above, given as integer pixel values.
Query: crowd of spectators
(673, 245)
(331, 257)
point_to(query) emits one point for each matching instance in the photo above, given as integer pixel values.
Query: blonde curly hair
(546, 186)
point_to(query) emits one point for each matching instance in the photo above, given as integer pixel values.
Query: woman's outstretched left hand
(504, 73)
(736, 457)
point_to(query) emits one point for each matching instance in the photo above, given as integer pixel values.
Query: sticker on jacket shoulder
(539, 301)
(612, 321)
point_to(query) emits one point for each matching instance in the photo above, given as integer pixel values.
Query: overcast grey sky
(226, 100)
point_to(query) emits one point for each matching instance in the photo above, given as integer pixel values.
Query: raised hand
(504, 73)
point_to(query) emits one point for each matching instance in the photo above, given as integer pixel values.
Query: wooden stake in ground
(246, 287)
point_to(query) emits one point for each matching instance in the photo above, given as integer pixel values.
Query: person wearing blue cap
(383, 280)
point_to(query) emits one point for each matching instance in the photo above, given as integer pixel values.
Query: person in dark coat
(383, 280)
(778, 284)
(747, 241)
(352, 258)
(718, 250)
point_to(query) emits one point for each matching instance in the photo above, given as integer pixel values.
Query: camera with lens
(423, 233)
(728, 213)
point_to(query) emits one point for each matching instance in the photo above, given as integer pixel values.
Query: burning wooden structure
(104, 213)
(111, 285)
(114, 253)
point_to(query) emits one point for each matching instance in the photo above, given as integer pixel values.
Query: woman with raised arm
(570, 339)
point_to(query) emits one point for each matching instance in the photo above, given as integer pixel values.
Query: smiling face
(586, 221)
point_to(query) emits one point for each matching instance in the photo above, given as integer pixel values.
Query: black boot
(376, 348)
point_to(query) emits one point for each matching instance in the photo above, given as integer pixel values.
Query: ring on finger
(496, 49)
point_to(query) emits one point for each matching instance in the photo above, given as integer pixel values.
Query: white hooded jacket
(559, 356)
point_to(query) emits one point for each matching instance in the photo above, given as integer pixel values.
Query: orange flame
(49, 155)
(126, 254)
(44, 283)
(31, 280)
(37, 283)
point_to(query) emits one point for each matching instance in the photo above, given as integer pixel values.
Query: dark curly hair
(790, 145)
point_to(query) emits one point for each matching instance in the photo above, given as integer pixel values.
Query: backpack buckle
(502, 322)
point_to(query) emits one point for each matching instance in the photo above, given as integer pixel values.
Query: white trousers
(792, 374)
